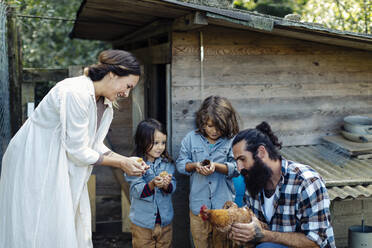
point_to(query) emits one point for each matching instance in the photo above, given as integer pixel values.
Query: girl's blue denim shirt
(213, 190)
(143, 211)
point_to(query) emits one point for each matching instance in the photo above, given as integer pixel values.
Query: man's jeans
(270, 245)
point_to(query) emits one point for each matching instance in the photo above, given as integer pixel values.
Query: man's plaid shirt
(301, 204)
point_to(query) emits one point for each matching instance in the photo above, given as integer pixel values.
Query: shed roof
(346, 192)
(110, 20)
(344, 177)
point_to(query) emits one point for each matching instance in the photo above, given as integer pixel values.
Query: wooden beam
(155, 28)
(191, 21)
(15, 69)
(158, 54)
(92, 198)
(42, 75)
(75, 70)
(323, 37)
(125, 209)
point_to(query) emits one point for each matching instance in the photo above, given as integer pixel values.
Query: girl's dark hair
(144, 138)
(119, 62)
(261, 135)
(220, 111)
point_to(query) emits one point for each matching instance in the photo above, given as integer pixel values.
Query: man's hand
(254, 232)
(246, 232)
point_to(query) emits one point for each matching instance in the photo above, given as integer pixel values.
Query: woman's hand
(142, 163)
(133, 166)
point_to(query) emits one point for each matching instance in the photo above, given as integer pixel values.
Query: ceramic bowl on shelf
(358, 124)
(360, 138)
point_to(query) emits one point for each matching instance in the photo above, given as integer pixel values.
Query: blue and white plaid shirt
(301, 204)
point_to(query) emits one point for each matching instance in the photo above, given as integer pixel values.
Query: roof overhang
(112, 20)
(345, 177)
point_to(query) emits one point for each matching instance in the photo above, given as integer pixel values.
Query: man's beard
(256, 177)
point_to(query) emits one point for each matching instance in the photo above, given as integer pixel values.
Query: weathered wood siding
(303, 89)
(348, 213)
(120, 137)
(121, 134)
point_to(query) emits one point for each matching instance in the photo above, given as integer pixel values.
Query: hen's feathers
(222, 219)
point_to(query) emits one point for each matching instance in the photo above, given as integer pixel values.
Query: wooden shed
(300, 77)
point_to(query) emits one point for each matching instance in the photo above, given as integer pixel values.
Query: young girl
(151, 210)
(211, 184)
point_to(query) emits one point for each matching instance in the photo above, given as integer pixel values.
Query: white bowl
(360, 138)
(358, 124)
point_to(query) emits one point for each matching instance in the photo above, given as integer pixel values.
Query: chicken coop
(302, 78)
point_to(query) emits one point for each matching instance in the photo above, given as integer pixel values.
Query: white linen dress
(44, 200)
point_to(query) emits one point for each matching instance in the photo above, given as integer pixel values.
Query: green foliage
(45, 42)
(275, 8)
(220, 3)
(270, 7)
(347, 15)
(241, 4)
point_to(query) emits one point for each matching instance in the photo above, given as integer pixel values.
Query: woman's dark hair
(220, 111)
(144, 138)
(119, 62)
(261, 135)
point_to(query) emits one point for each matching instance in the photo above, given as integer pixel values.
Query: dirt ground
(123, 240)
(108, 224)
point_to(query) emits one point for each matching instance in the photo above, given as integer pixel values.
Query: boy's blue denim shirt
(143, 210)
(213, 190)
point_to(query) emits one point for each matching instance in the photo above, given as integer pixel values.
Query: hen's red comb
(203, 212)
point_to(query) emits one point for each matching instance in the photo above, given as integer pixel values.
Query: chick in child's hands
(163, 174)
(164, 179)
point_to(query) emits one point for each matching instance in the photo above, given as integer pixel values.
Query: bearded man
(289, 197)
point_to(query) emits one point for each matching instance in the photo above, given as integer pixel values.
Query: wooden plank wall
(120, 136)
(346, 213)
(121, 127)
(303, 89)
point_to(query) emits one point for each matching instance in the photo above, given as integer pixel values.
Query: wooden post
(15, 71)
(125, 208)
(92, 199)
(75, 70)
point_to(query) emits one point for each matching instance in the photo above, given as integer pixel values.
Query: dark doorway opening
(156, 93)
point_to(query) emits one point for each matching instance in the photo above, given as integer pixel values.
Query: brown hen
(222, 219)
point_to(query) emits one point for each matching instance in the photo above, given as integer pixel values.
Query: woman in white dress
(44, 199)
